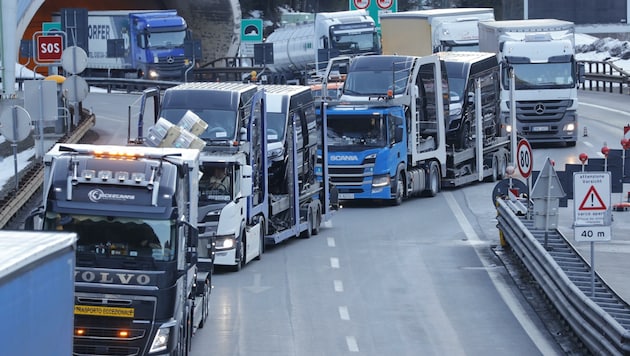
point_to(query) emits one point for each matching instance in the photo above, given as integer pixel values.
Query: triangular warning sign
(592, 200)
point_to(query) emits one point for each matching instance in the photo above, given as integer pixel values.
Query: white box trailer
(422, 32)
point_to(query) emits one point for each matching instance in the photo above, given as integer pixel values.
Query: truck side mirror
(471, 98)
(246, 184)
(35, 219)
(398, 134)
(191, 235)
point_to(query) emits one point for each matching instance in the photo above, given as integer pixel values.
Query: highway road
(420, 278)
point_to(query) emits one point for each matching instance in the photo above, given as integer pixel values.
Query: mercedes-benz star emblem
(539, 109)
(170, 59)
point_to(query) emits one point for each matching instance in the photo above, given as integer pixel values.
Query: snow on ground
(600, 49)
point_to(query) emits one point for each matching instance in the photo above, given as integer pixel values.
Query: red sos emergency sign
(49, 48)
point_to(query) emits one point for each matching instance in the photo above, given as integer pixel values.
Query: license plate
(104, 311)
(540, 128)
(346, 196)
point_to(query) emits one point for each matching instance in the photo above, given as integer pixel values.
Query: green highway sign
(51, 27)
(251, 30)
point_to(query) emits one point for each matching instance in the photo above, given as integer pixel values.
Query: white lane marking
(539, 338)
(588, 144)
(334, 262)
(331, 241)
(338, 285)
(343, 313)
(352, 344)
(605, 108)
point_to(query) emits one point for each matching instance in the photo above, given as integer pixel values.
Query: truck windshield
(454, 47)
(215, 184)
(118, 237)
(166, 39)
(541, 76)
(354, 42)
(356, 130)
(456, 87)
(375, 82)
(221, 123)
(276, 122)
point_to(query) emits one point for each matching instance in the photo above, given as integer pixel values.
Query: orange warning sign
(592, 200)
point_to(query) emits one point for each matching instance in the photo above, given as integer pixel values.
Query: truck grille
(164, 65)
(91, 350)
(532, 112)
(349, 175)
(99, 338)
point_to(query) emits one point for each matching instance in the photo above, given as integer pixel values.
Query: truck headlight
(225, 242)
(569, 127)
(508, 128)
(380, 181)
(275, 153)
(160, 341)
(153, 74)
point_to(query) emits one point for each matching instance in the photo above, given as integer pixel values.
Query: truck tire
(496, 175)
(400, 189)
(434, 180)
(318, 221)
(205, 304)
(306, 234)
(261, 246)
(240, 254)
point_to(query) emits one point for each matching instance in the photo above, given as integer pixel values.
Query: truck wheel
(240, 255)
(306, 234)
(502, 167)
(318, 221)
(205, 305)
(434, 180)
(261, 246)
(400, 190)
(495, 170)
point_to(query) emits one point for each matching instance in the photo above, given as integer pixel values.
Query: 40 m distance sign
(592, 233)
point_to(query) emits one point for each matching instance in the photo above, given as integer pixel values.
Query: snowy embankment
(600, 49)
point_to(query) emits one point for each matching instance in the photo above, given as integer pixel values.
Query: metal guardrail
(605, 76)
(600, 318)
(32, 180)
(129, 85)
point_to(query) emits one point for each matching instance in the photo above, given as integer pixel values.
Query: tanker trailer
(301, 51)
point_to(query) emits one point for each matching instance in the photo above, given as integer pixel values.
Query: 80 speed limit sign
(524, 158)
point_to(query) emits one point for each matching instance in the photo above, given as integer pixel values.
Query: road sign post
(525, 163)
(592, 213)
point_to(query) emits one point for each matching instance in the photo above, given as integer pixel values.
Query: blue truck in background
(37, 292)
(387, 132)
(147, 44)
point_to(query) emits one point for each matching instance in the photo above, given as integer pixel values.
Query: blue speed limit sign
(524, 158)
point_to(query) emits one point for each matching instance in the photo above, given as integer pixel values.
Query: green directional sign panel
(251, 30)
(51, 26)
